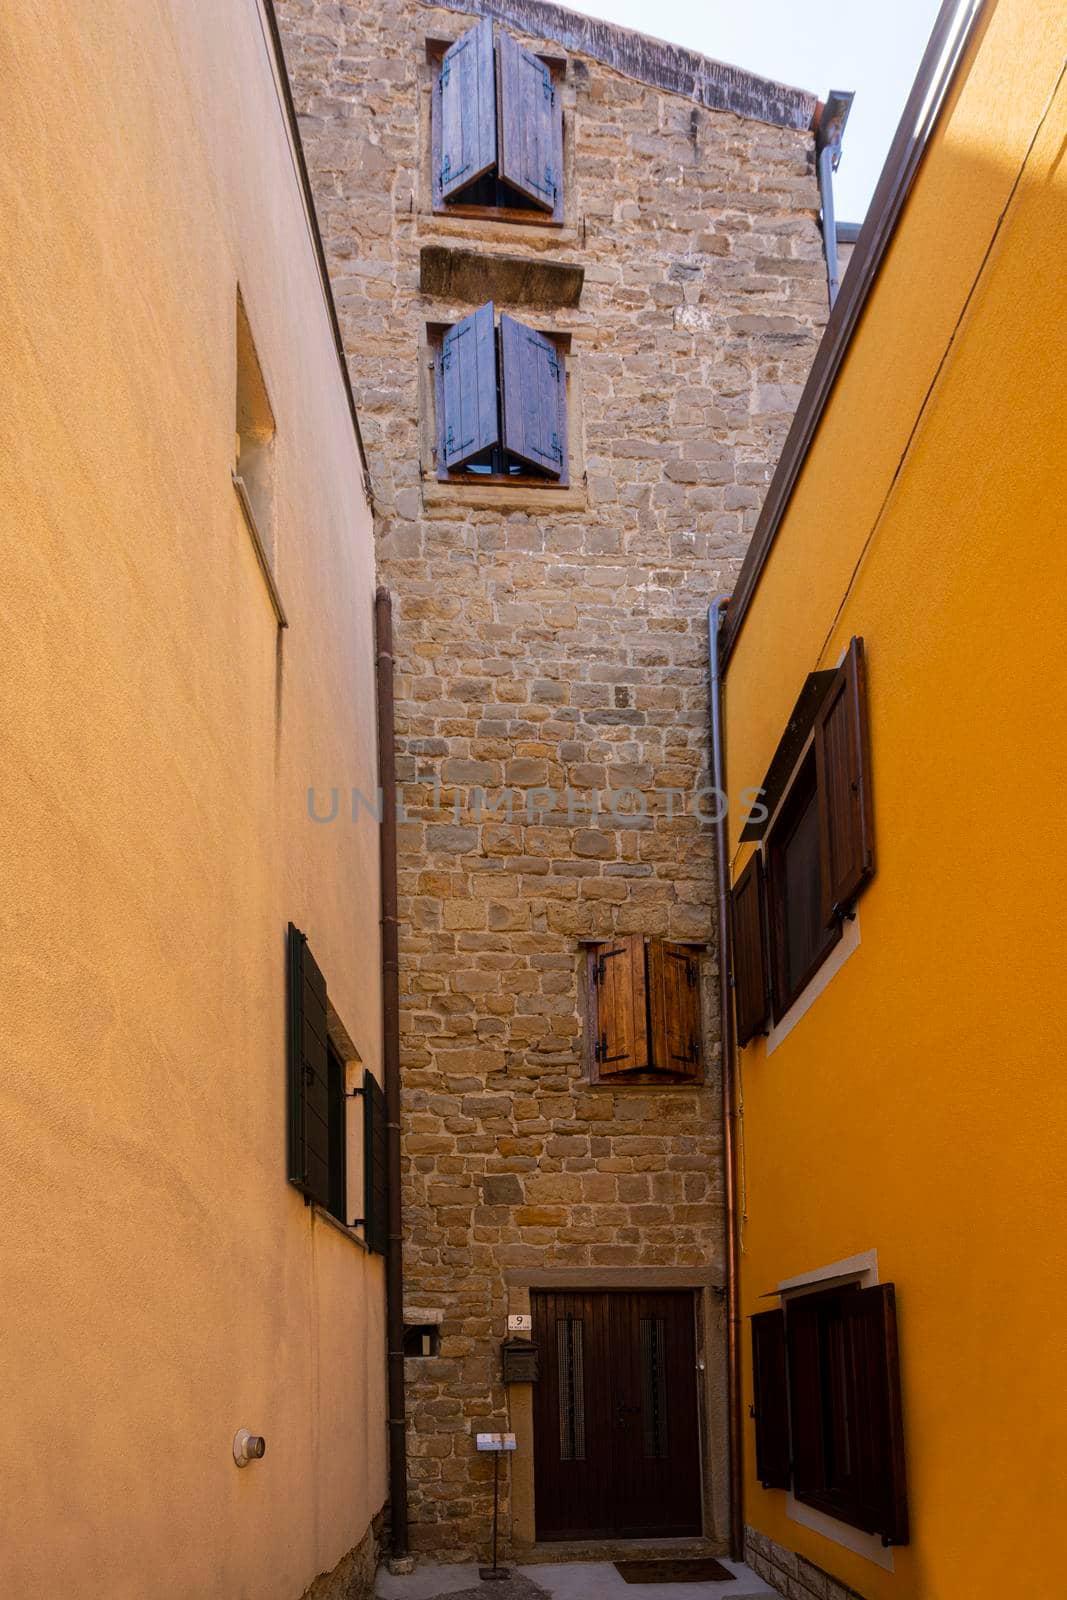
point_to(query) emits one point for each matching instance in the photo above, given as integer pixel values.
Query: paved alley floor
(572, 1580)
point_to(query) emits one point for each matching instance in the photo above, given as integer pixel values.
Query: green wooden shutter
(533, 393)
(750, 967)
(846, 828)
(770, 1390)
(530, 123)
(468, 390)
(375, 1167)
(308, 1073)
(466, 105)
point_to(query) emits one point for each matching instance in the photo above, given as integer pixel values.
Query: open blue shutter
(469, 422)
(308, 1073)
(466, 92)
(533, 390)
(531, 125)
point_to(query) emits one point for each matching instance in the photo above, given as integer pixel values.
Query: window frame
(531, 215)
(527, 477)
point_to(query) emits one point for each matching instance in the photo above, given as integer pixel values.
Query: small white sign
(495, 1441)
(520, 1323)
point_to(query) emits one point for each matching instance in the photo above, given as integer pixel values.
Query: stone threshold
(549, 1553)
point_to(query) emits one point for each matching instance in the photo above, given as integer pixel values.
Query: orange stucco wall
(919, 1107)
(162, 1283)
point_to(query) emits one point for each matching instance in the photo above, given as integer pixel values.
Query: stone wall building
(552, 637)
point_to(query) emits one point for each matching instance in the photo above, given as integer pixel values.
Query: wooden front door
(616, 1431)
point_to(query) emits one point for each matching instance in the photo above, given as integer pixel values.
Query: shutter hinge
(556, 451)
(691, 974)
(546, 84)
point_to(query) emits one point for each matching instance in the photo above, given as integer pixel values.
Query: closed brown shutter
(846, 829)
(466, 105)
(531, 125)
(674, 1008)
(877, 1431)
(533, 390)
(469, 419)
(806, 1400)
(749, 924)
(308, 1073)
(770, 1399)
(618, 981)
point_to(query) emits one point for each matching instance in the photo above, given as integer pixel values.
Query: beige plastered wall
(163, 1284)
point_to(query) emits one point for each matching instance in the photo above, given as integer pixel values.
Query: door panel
(616, 1436)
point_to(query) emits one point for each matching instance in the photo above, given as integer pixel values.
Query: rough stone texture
(789, 1573)
(353, 1577)
(551, 643)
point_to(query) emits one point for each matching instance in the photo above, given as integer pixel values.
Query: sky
(865, 45)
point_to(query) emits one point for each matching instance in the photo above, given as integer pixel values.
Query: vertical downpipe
(394, 1260)
(729, 1103)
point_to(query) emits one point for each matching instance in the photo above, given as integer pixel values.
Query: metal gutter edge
(718, 613)
(316, 235)
(956, 23)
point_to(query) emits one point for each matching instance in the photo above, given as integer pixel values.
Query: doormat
(701, 1570)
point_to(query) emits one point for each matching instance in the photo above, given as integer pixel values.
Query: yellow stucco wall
(920, 1108)
(162, 1283)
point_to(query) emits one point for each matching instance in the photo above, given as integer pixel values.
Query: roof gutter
(956, 24)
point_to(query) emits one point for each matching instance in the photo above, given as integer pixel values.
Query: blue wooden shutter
(375, 1167)
(533, 391)
(466, 92)
(531, 125)
(469, 413)
(308, 1073)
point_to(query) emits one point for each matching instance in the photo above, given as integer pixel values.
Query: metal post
(488, 1573)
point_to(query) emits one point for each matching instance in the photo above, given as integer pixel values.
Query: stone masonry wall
(789, 1573)
(553, 642)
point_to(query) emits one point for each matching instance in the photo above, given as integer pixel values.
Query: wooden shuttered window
(468, 389)
(530, 124)
(644, 1008)
(748, 908)
(533, 397)
(845, 1401)
(466, 91)
(617, 970)
(674, 1008)
(308, 1074)
(846, 831)
(770, 1407)
(375, 1167)
(497, 128)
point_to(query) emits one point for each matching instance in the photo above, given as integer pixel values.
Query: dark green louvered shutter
(469, 420)
(533, 391)
(308, 1073)
(466, 92)
(375, 1160)
(531, 125)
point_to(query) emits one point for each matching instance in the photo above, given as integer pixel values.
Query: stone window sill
(322, 1215)
(447, 497)
(259, 548)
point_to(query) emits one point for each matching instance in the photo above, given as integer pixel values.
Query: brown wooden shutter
(469, 417)
(876, 1432)
(806, 1399)
(618, 979)
(533, 390)
(530, 118)
(308, 1073)
(375, 1158)
(770, 1399)
(674, 1008)
(844, 779)
(466, 105)
(749, 923)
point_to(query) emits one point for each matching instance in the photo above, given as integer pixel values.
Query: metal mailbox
(522, 1361)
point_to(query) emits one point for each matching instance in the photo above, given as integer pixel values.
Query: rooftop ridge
(649, 60)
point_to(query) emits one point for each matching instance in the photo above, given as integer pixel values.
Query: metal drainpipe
(394, 1260)
(729, 1106)
(829, 133)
